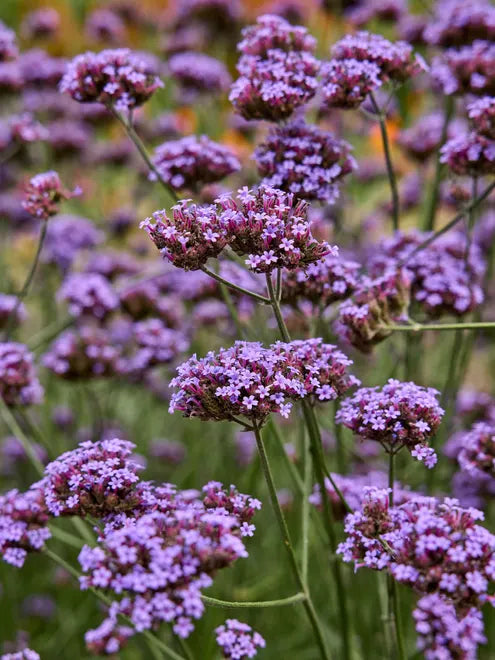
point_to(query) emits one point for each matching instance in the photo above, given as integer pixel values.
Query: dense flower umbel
(445, 635)
(422, 140)
(470, 154)
(8, 46)
(251, 381)
(199, 73)
(482, 115)
(118, 77)
(459, 22)
(87, 352)
(272, 229)
(396, 415)
(40, 23)
(66, 237)
(7, 306)
(395, 61)
(88, 294)
(304, 160)
(108, 638)
(382, 10)
(190, 237)
(446, 277)
(375, 304)
(19, 385)
(477, 452)
(21, 129)
(159, 563)
(23, 524)
(25, 654)
(470, 69)
(193, 161)
(155, 344)
(237, 640)
(96, 479)
(43, 194)
(434, 546)
(272, 32)
(346, 83)
(322, 282)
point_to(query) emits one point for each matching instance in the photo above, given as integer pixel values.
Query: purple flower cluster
(66, 237)
(146, 298)
(477, 452)
(89, 294)
(482, 115)
(395, 61)
(278, 70)
(382, 10)
(446, 276)
(8, 45)
(346, 83)
(119, 78)
(23, 518)
(9, 304)
(105, 25)
(470, 154)
(44, 193)
(21, 129)
(251, 381)
(199, 73)
(363, 320)
(423, 139)
(443, 634)
(25, 654)
(155, 344)
(460, 22)
(95, 479)
(396, 415)
(304, 160)
(231, 503)
(237, 640)
(112, 264)
(41, 23)
(194, 161)
(19, 385)
(322, 282)
(470, 69)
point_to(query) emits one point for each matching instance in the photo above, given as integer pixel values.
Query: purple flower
(237, 640)
(382, 10)
(88, 294)
(19, 385)
(105, 25)
(44, 193)
(39, 69)
(465, 70)
(8, 45)
(396, 415)
(477, 453)
(66, 237)
(40, 23)
(194, 161)
(155, 344)
(304, 160)
(422, 140)
(482, 115)
(470, 154)
(460, 22)
(119, 78)
(196, 72)
(274, 32)
(7, 306)
(18, 130)
(221, 16)
(168, 451)
(25, 654)
(112, 264)
(346, 83)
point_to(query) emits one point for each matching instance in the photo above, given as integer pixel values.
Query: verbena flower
(118, 77)
(422, 139)
(460, 22)
(108, 638)
(221, 16)
(18, 130)
(19, 385)
(363, 320)
(66, 237)
(382, 10)
(8, 45)
(96, 479)
(396, 415)
(470, 154)
(40, 23)
(272, 32)
(44, 193)
(395, 60)
(105, 25)
(155, 344)
(25, 654)
(251, 381)
(23, 524)
(112, 264)
(146, 298)
(271, 228)
(466, 70)
(194, 161)
(482, 115)
(88, 294)
(346, 83)
(237, 640)
(200, 73)
(7, 306)
(477, 453)
(304, 160)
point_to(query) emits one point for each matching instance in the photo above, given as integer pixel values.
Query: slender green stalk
(388, 161)
(231, 285)
(255, 604)
(27, 283)
(305, 510)
(49, 332)
(394, 604)
(11, 423)
(294, 473)
(284, 531)
(422, 327)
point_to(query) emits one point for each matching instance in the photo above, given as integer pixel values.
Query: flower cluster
(155, 344)
(66, 237)
(145, 299)
(21, 129)
(231, 503)
(41, 23)
(95, 479)
(88, 294)
(423, 139)
(8, 306)
(112, 264)
(43, 194)
(482, 115)
(278, 70)
(382, 10)
(199, 73)
(395, 61)
(251, 381)
(446, 276)
(396, 415)
(237, 640)
(272, 229)
(375, 304)
(19, 385)
(459, 22)
(346, 83)
(466, 70)
(105, 25)
(119, 78)
(8, 45)
(190, 237)
(470, 154)
(25, 654)
(477, 452)
(304, 160)
(322, 282)
(442, 633)
(193, 161)
(435, 547)
(23, 524)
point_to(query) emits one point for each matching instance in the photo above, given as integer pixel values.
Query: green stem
(25, 288)
(394, 604)
(11, 423)
(233, 605)
(420, 327)
(237, 288)
(49, 332)
(305, 509)
(388, 161)
(284, 531)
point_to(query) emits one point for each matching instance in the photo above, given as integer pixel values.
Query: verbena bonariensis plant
(280, 289)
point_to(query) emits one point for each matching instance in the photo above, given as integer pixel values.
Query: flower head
(89, 294)
(482, 115)
(470, 154)
(477, 452)
(422, 140)
(200, 73)
(8, 45)
(347, 82)
(469, 69)
(9, 305)
(43, 194)
(274, 32)
(460, 22)
(238, 640)
(19, 385)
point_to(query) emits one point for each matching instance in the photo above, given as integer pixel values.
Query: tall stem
(388, 161)
(284, 531)
(393, 594)
(237, 288)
